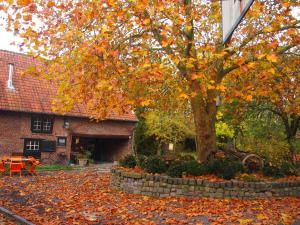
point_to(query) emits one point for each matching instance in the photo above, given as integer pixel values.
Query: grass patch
(49, 167)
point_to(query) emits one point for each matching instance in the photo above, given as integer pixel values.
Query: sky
(6, 38)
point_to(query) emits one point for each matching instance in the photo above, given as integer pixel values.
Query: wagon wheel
(253, 162)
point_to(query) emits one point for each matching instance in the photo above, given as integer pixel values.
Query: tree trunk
(204, 117)
(291, 127)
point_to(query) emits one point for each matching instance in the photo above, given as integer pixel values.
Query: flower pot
(82, 162)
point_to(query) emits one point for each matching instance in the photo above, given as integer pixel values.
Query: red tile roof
(33, 94)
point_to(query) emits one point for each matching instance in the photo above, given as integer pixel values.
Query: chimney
(10, 76)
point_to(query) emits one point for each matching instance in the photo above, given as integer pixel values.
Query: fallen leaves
(85, 198)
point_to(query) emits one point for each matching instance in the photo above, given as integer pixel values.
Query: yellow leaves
(285, 219)
(251, 65)
(210, 87)
(272, 58)
(146, 21)
(183, 95)
(146, 65)
(146, 102)
(260, 217)
(245, 221)
(271, 70)
(261, 56)
(268, 29)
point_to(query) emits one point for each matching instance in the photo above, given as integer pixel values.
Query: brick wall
(16, 126)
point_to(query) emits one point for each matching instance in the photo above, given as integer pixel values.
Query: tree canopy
(118, 55)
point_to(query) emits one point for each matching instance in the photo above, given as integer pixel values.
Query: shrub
(250, 178)
(142, 159)
(285, 169)
(194, 168)
(288, 169)
(176, 169)
(154, 164)
(225, 168)
(128, 161)
(213, 166)
(272, 171)
(186, 157)
(230, 168)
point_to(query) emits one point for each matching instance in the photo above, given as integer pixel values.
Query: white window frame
(32, 145)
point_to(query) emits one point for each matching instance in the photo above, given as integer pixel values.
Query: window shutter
(48, 146)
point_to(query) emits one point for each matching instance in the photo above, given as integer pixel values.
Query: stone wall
(163, 186)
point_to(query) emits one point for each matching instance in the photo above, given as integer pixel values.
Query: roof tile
(33, 94)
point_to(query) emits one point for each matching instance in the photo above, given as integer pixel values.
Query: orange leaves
(146, 21)
(248, 98)
(50, 4)
(198, 76)
(27, 17)
(24, 2)
(183, 95)
(84, 197)
(272, 58)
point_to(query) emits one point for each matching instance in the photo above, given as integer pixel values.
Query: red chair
(18, 159)
(31, 170)
(16, 167)
(2, 167)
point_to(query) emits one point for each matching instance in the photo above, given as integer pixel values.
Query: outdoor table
(21, 159)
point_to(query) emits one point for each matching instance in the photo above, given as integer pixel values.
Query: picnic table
(19, 163)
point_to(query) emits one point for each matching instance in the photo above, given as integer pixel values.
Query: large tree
(274, 87)
(117, 54)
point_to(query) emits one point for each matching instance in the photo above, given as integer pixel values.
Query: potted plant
(83, 158)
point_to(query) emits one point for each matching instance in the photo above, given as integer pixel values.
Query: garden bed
(138, 182)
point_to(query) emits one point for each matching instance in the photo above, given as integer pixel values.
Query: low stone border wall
(164, 186)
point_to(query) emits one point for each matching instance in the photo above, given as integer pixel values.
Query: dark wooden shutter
(48, 146)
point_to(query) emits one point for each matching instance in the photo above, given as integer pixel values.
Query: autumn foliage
(115, 56)
(85, 198)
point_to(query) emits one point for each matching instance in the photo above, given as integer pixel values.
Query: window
(47, 124)
(61, 141)
(41, 124)
(32, 145)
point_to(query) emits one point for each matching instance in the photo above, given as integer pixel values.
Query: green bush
(272, 171)
(186, 157)
(213, 166)
(176, 169)
(285, 169)
(142, 159)
(224, 168)
(194, 168)
(154, 164)
(288, 169)
(128, 161)
(230, 168)
(250, 178)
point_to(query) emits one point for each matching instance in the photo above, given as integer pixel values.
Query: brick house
(29, 127)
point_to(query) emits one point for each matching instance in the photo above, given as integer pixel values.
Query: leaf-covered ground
(84, 197)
